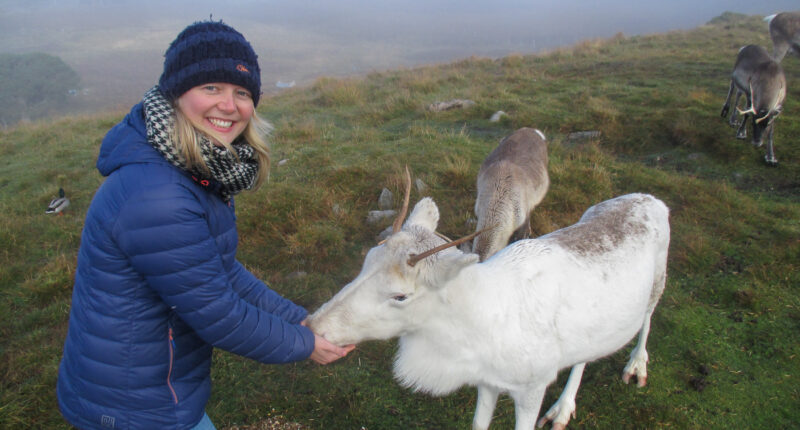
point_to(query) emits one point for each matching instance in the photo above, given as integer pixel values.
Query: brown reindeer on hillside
(761, 79)
(512, 180)
(784, 29)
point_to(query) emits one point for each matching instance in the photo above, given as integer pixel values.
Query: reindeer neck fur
(502, 209)
(504, 212)
(431, 358)
(769, 88)
(452, 347)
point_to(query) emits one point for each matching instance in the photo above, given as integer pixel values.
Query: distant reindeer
(761, 79)
(784, 29)
(512, 180)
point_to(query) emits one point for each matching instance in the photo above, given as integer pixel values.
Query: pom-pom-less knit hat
(206, 52)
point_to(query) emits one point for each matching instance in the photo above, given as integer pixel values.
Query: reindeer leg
(732, 120)
(560, 412)
(487, 399)
(769, 158)
(524, 231)
(779, 51)
(638, 361)
(727, 106)
(526, 406)
(741, 133)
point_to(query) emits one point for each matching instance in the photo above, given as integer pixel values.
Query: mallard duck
(58, 204)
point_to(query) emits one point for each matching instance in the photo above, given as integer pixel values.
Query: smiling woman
(212, 78)
(220, 110)
(158, 285)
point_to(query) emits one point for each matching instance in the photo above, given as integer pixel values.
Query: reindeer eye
(400, 297)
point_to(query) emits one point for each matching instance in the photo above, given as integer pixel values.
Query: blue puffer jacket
(156, 287)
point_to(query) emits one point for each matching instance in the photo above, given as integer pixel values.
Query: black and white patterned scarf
(233, 175)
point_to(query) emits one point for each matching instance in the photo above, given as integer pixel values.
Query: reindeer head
(766, 102)
(396, 289)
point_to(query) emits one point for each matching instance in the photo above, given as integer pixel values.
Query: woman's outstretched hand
(326, 352)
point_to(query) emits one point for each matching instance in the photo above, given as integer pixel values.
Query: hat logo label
(242, 68)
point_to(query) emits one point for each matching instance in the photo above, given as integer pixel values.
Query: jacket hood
(126, 143)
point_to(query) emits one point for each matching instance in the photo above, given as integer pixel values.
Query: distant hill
(34, 86)
(117, 46)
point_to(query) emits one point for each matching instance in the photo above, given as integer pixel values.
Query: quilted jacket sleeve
(255, 292)
(165, 234)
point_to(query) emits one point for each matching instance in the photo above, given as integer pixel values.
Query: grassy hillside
(724, 343)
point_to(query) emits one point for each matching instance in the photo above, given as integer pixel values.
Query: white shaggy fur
(509, 324)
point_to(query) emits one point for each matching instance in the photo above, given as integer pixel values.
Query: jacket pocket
(171, 364)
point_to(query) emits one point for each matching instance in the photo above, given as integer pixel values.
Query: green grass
(724, 343)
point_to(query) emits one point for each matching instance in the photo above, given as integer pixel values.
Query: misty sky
(117, 46)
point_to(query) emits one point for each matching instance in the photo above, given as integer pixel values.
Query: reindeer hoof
(771, 162)
(556, 426)
(641, 380)
(741, 136)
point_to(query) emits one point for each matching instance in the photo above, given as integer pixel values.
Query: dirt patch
(272, 423)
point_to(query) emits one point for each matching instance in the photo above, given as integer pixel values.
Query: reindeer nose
(311, 324)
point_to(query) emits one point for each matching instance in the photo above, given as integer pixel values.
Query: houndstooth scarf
(233, 175)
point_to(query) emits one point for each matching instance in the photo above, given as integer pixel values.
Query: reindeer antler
(415, 258)
(398, 223)
(752, 105)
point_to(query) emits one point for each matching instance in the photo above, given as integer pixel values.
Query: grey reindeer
(512, 180)
(784, 30)
(760, 78)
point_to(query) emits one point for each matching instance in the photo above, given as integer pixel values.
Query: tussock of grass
(723, 343)
(336, 92)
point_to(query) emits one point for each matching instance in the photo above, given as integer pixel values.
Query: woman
(157, 283)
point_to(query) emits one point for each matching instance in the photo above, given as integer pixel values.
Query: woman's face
(219, 110)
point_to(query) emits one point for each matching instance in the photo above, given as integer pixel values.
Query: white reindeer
(509, 324)
(784, 30)
(511, 181)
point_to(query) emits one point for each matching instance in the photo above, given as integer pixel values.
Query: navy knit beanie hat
(206, 52)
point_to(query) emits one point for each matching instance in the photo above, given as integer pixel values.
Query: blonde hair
(187, 139)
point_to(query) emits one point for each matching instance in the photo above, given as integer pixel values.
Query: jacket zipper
(169, 372)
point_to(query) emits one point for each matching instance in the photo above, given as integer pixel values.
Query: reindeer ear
(451, 264)
(425, 214)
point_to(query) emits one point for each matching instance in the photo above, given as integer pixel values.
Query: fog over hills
(117, 46)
